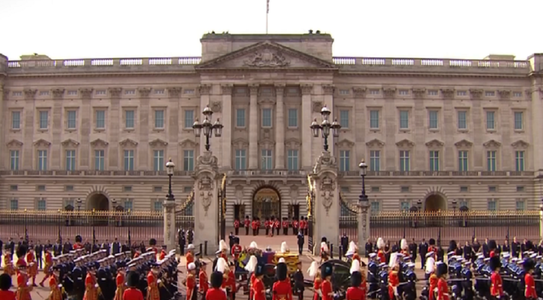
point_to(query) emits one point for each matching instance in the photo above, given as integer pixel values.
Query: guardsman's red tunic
(259, 291)
(8, 265)
(433, 285)
(317, 287)
(23, 290)
(236, 224)
(529, 290)
(153, 292)
(7, 295)
(48, 263)
(56, 292)
(189, 257)
(381, 255)
(132, 294)
(442, 289)
(327, 292)
(204, 284)
(32, 265)
(393, 282)
(91, 291)
(162, 254)
(191, 286)
(282, 290)
(496, 284)
(119, 281)
(355, 293)
(215, 294)
(252, 281)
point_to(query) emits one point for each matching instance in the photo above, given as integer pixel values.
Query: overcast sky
(378, 28)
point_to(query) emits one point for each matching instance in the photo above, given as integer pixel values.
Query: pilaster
(307, 136)
(205, 92)
(170, 231)
(206, 207)
(253, 128)
(56, 134)
(536, 97)
(226, 140)
(3, 125)
(279, 127)
(147, 118)
(114, 127)
(173, 127)
(114, 157)
(30, 125)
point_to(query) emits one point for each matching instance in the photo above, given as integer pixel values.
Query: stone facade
(430, 129)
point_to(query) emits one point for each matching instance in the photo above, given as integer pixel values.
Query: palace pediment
(266, 55)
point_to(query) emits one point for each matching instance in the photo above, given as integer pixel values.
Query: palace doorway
(266, 203)
(435, 203)
(98, 202)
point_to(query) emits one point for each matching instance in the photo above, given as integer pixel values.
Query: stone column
(114, 136)
(326, 199)
(146, 113)
(279, 128)
(170, 231)
(253, 128)
(363, 226)
(307, 135)
(56, 129)
(226, 140)
(205, 90)
(31, 123)
(174, 94)
(4, 122)
(206, 203)
(535, 96)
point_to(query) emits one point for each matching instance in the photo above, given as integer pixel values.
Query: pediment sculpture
(128, 143)
(520, 144)
(267, 58)
(42, 143)
(463, 144)
(70, 143)
(99, 143)
(434, 144)
(375, 143)
(492, 144)
(158, 143)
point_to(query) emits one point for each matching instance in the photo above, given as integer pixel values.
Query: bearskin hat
(529, 245)
(21, 251)
(441, 269)
(78, 239)
(528, 265)
(132, 279)
(492, 245)
(452, 245)
(216, 279)
(326, 270)
(259, 270)
(356, 279)
(281, 271)
(323, 239)
(5, 282)
(495, 263)
(152, 242)
(431, 242)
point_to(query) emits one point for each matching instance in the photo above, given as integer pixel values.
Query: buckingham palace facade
(96, 133)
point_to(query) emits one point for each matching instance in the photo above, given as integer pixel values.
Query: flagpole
(267, 11)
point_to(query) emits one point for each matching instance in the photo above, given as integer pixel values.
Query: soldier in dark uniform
(299, 286)
(383, 281)
(182, 241)
(301, 239)
(423, 249)
(344, 243)
(373, 276)
(410, 288)
(515, 248)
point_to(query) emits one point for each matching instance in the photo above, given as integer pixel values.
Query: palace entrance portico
(266, 203)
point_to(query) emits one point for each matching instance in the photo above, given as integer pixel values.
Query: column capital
(279, 89)
(174, 91)
(253, 88)
(359, 91)
(86, 92)
(307, 89)
(144, 91)
(58, 93)
(30, 93)
(227, 89)
(204, 89)
(328, 89)
(476, 94)
(115, 92)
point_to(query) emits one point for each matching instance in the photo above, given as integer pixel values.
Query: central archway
(435, 202)
(98, 202)
(266, 203)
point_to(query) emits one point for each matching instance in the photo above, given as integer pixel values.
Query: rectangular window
(434, 161)
(292, 160)
(44, 119)
(241, 159)
(70, 160)
(490, 121)
(188, 160)
(41, 205)
(519, 120)
(463, 161)
(404, 119)
(404, 161)
(14, 204)
(99, 160)
(189, 118)
(266, 160)
(463, 203)
(127, 188)
(159, 118)
(72, 119)
(240, 117)
(188, 189)
(344, 160)
(520, 188)
(158, 160)
(344, 118)
(462, 120)
(520, 205)
(519, 161)
(404, 189)
(491, 161)
(464, 189)
(374, 92)
(157, 189)
(129, 119)
(100, 119)
(157, 205)
(69, 188)
(129, 160)
(492, 189)
(292, 117)
(375, 160)
(403, 92)
(375, 189)
(492, 205)
(13, 187)
(374, 119)
(42, 160)
(432, 92)
(15, 120)
(405, 206)
(128, 205)
(432, 119)
(14, 160)
(266, 117)
(375, 207)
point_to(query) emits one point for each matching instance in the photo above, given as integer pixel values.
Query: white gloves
(96, 285)
(159, 281)
(320, 293)
(267, 291)
(59, 286)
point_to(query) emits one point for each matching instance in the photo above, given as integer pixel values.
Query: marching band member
(381, 250)
(251, 268)
(23, 290)
(203, 281)
(282, 289)
(78, 243)
(432, 246)
(5, 285)
(91, 287)
(215, 293)
(119, 281)
(32, 265)
(529, 282)
(314, 272)
(153, 292)
(324, 250)
(48, 266)
(496, 283)
(393, 282)
(284, 247)
(355, 292)
(132, 292)
(152, 246)
(190, 282)
(492, 248)
(404, 246)
(55, 286)
(231, 284)
(442, 286)
(326, 285)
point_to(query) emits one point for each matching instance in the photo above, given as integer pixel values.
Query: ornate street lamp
(363, 198)
(419, 210)
(79, 202)
(325, 127)
(454, 202)
(169, 170)
(207, 127)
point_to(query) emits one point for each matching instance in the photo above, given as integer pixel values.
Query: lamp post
(93, 229)
(59, 226)
(454, 202)
(325, 127)
(169, 170)
(363, 204)
(363, 168)
(78, 207)
(207, 127)
(26, 229)
(114, 204)
(419, 210)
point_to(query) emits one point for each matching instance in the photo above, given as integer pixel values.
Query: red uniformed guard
(78, 243)
(119, 281)
(254, 226)
(203, 280)
(267, 226)
(294, 226)
(236, 249)
(433, 280)
(8, 265)
(355, 292)
(32, 265)
(231, 284)
(529, 282)
(381, 250)
(152, 246)
(247, 224)
(258, 224)
(5, 285)
(277, 226)
(492, 248)
(48, 265)
(326, 285)
(496, 283)
(442, 286)
(282, 290)
(215, 293)
(393, 283)
(271, 225)
(153, 292)
(236, 226)
(91, 287)
(432, 246)
(23, 290)
(285, 226)
(54, 285)
(355, 269)
(303, 225)
(190, 254)
(162, 254)
(132, 292)
(190, 282)
(259, 291)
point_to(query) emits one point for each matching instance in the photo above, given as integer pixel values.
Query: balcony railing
(92, 173)
(439, 174)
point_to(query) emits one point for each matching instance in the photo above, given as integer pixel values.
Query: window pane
(189, 118)
(292, 117)
(99, 160)
(374, 119)
(344, 161)
(42, 160)
(158, 160)
(129, 160)
(159, 119)
(100, 119)
(344, 118)
(462, 120)
(432, 119)
(16, 120)
(70, 160)
(266, 117)
(129, 122)
(14, 160)
(434, 161)
(404, 161)
(188, 160)
(240, 117)
(292, 160)
(490, 122)
(404, 119)
(518, 120)
(71, 119)
(240, 159)
(375, 160)
(266, 160)
(44, 119)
